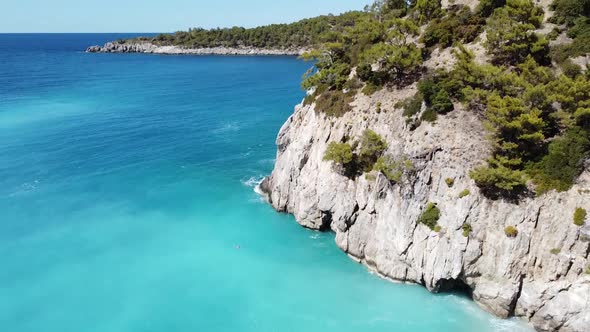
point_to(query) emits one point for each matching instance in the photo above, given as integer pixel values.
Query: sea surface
(127, 203)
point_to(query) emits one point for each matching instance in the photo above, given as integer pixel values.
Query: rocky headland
(150, 48)
(540, 274)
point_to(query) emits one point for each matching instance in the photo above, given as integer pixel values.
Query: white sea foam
(253, 181)
(227, 127)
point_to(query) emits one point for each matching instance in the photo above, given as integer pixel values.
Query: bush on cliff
(372, 147)
(511, 231)
(393, 169)
(340, 153)
(430, 216)
(510, 33)
(580, 217)
(333, 103)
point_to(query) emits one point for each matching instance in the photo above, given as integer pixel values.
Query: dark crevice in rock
(350, 221)
(512, 308)
(303, 161)
(326, 219)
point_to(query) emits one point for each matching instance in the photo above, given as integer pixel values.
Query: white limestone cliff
(539, 275)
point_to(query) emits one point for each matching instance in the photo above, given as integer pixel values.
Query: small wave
(228, 127)
(253, 182)
(267, 161)
(25, 188)
(314, 236)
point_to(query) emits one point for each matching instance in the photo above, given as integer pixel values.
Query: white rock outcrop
(539, 275)
(146, 47)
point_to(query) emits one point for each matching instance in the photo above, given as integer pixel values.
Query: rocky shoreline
(149, 48)
(539, 275)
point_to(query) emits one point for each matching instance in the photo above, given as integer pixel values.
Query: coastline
(149, 48)
(375, 222)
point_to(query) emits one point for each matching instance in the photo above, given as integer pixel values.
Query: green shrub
(588, 270)
(568, 11)
(437, 229)
(510, 33)
(563, 163)
(378, 108)
(424, 10)
(429, 115)
(464, 193)
(580, 217)
(450, 182)
(370, 177)
(372, 147)
(570, 69)
(333, 103)
(340, 153)
(389, 167)
(413, 105)
(430, 216)
(370, 89)
(436, 97)
(497, 179)
(458, 25)
(441, 103)
(485, 8)
(511, 231)
(393, 169)
(553, 34)
(467, 229)
(308, 100)
(555, 251)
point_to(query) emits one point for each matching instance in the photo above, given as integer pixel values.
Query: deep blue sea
(127, 203)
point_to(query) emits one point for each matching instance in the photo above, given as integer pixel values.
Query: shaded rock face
(146, 47)
(375, 220)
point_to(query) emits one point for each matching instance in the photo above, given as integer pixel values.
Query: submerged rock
(538, 275)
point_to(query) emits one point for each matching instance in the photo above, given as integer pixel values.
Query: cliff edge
(540, 274)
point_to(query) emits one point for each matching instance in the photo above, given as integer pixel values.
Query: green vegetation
(437, 229)
(333, 103)
(430, 216)
(304, 33)
(392, 168)
(372, 147)
(459, 25)
(467, 229)
(370, 89)
(537, 115)
(580, 217)
(464, 193)
(564, 161)
(340, 153)
(510, 36)
(450, 182)
(575, 15)
(555, 251)
(511, 231)
(588, 270)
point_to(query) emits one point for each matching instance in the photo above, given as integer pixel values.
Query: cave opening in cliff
(454, 286)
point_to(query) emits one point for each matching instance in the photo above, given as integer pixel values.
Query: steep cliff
(540, 274)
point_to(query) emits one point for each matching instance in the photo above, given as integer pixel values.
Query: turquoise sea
(127, 203)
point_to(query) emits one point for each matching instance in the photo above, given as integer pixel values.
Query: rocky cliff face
(146, 47)
(539, 275)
